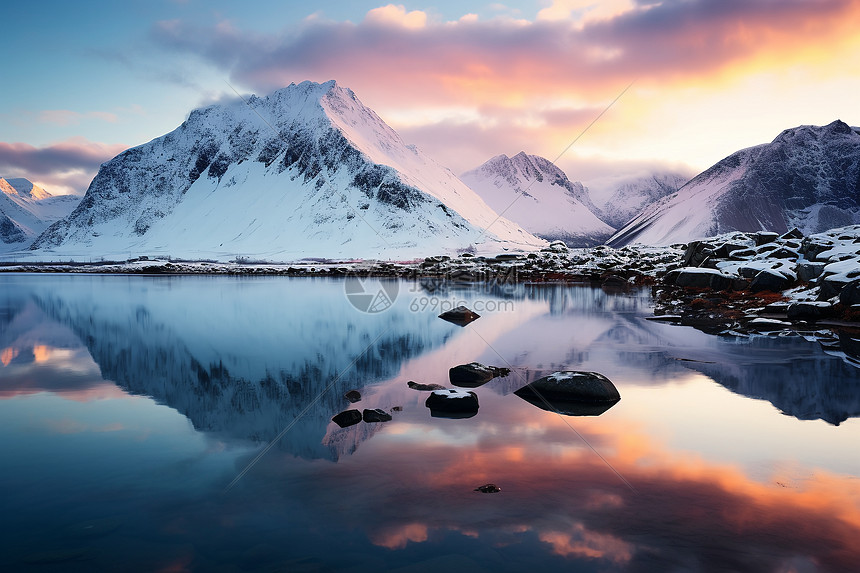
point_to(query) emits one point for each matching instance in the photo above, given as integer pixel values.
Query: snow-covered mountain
(536, 194)
(307, 171)
(808, 177)
(26, 210)
(23, 188)
(629, 197)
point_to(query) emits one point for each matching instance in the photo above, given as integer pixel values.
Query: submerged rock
(353, 396)
(572, 386)
(461, 316)
(452, 403)
(474, 374)
(566, 407)
(347, 418)
(488, 488)
(376, 415)
(425, 387)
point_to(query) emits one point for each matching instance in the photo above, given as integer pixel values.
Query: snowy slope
(536, 194)
(629, 197)
(24, 188)
(808, 177)
(26, 210)
(307, 171)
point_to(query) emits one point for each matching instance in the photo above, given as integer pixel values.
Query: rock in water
(353, 396)
(461, 316)
(376, 415)
(488, 488)
(347, 418)
(425, 387)
(470, 375)
(572, 386)
(452, 403)
(474, 374)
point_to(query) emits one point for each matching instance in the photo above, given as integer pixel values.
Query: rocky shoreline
(734, 284)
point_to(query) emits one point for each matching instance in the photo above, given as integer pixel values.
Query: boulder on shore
(692, 277)
(770, 281)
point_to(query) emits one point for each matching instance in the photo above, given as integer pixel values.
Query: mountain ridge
(535, 193)
(807, 177)
(306, 171)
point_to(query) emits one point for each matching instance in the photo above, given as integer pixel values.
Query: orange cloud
(8, 355)
(535, 85)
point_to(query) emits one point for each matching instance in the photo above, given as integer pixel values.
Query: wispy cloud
(518, 84)
(65, 117)
(429, 60)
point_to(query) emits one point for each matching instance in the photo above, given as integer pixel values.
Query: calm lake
(184, 424)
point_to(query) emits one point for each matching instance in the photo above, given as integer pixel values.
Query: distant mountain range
(310, 172)
(26, 210)
(307, 171)
(533, 192)
(538, 195)
(808, 177)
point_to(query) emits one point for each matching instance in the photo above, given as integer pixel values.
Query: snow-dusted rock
(474, 374)
(452, 402)
(693, 277)
(572, 386)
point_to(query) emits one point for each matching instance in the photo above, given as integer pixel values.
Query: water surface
(133, 412)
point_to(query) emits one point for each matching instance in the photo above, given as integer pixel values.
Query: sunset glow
(465, 81)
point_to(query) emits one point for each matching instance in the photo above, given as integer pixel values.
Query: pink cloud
(65, 166)
(394, 54)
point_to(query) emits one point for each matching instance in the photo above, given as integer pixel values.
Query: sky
(680, 84)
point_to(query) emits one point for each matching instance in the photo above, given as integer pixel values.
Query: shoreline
(736, 284)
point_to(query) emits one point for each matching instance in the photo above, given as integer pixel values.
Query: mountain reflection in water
(718, 481)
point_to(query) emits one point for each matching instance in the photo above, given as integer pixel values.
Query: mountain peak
(835, 128)
(306, 171)
(23, 188)
(807, 177)
(535, 193)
